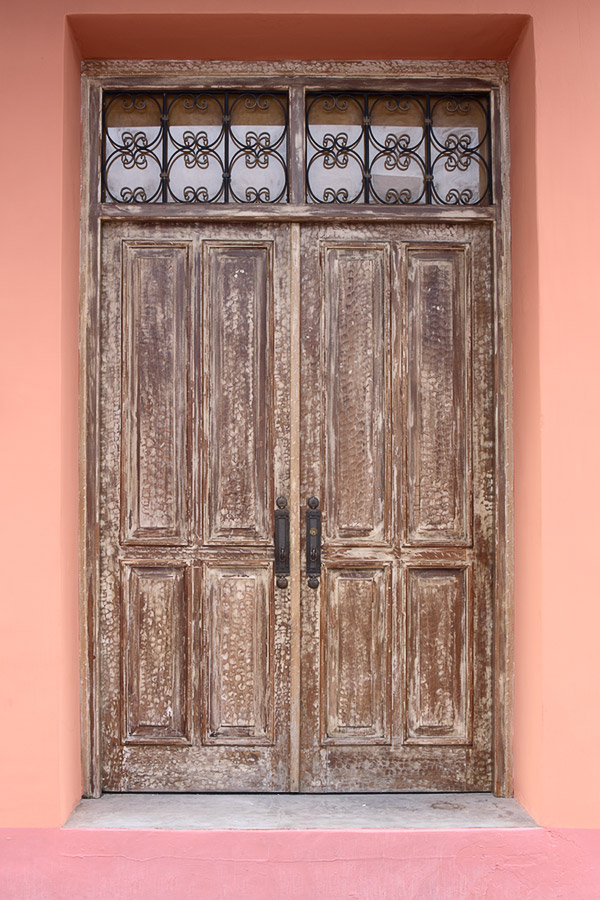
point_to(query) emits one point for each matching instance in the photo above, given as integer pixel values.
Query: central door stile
(295, 585)
(297, 189)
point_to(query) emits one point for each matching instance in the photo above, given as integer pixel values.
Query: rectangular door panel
(157, 645)
(355, 292)
(238, 654)
(439, 675)
(355, 656)
(237, 288)
(438, 385)
(156, 304)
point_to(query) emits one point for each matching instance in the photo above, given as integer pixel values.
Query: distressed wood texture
(238, 352)
(355, 284)
(155, 393)
(354, 642)
(438, 386)
(194, 439)
(323, 72)
(398, 439)
(156, 645)
(237, 655)
(439, 670)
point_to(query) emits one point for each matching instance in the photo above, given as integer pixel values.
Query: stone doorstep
(299, 811)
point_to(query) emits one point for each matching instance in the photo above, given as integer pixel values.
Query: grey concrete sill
(299, 811)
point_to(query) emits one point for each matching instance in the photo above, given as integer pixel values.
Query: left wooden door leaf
(194, 399)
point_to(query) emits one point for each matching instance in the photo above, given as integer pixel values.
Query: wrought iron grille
(398, 148)
(194, 147)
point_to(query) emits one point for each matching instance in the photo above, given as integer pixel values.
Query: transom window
(398, 148)
(391, 148)
(195, 147)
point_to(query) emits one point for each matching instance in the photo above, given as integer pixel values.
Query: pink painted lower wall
(552, 50)
(499, 864)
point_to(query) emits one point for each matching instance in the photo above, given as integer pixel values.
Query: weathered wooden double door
(391, 409)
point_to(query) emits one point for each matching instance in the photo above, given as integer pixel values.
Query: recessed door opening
(294, 428)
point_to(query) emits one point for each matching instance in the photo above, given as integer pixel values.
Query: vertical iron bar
(307, 99)
(103, 162)
(286, 127)
(227, 124)
(428, 132)
(165, 149)
(367, 177)
(490, 169)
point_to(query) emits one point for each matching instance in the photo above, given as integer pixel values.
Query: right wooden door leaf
(398, 440)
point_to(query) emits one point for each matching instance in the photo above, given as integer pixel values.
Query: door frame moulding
(293, 76)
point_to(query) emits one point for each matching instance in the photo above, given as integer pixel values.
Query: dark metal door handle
(313, 542)
(282, 542)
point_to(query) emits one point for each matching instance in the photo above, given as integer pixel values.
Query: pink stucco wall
(555, 129)
(499, 864)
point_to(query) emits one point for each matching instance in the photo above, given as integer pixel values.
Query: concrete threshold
(299, 811)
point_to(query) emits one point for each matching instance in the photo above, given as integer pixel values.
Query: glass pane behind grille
(395, 148)
(398, 148)
(195, 147)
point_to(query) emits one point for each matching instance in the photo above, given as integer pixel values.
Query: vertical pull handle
(282, 542)
(313, 542)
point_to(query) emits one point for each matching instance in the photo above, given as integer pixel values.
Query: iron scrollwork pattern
(398, 148)
(194, 147)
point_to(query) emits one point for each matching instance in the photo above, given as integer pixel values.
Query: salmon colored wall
(528, 735)
(555, 131)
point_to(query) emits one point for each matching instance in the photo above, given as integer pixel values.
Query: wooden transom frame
(295, 77)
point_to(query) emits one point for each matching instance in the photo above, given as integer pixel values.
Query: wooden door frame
(293, 76)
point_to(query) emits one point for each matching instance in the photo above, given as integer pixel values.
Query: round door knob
(313, 582)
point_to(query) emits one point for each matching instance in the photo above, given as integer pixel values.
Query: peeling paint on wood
(194, 639)
(427, 641)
